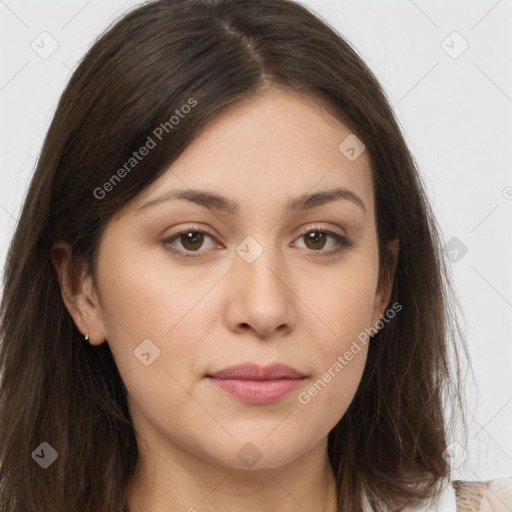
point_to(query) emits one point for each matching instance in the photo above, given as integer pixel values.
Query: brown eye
(192, 240)
(315, 240)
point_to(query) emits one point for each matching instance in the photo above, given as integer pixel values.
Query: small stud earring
(86, 337)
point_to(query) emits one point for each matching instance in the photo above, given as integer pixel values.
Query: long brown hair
(57, 389)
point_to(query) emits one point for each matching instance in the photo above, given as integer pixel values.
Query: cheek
(345, 307)
(146, 296)
(342, 351)
(155, 301)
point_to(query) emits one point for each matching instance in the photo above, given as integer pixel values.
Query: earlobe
(74, 286)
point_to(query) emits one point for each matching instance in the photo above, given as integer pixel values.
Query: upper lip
(252, 371)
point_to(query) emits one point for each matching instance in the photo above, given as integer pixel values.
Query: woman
(226, 290)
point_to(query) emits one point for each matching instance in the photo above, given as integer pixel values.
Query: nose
(260, 295)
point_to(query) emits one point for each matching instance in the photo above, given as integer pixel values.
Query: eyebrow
(217, 202)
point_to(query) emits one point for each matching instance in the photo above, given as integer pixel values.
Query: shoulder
(483, 496)
(498, 496)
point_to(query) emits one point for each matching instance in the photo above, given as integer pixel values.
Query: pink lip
(256, 384)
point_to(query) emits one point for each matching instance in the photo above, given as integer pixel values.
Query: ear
(78, 294)
(385, 285)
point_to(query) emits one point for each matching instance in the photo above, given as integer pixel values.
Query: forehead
(271, 147)
(271, 125)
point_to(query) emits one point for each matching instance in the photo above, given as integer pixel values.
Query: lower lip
(257, 391)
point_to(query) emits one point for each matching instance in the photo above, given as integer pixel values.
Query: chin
(258, 452)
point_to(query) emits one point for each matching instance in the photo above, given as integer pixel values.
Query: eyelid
(305, 229)
(317, 227)
(192, 227)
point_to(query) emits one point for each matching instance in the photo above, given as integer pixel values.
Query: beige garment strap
(469, 494)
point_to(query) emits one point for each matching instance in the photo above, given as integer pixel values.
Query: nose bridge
(259, 265)
(263, 296)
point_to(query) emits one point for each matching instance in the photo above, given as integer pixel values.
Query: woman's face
(265, 284)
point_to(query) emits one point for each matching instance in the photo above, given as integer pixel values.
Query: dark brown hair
(57, 389)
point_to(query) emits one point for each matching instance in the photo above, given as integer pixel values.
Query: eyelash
(343, 243)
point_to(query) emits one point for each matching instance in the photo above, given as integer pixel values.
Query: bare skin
(293, 304)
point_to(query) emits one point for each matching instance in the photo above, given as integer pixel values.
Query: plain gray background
(454, 104)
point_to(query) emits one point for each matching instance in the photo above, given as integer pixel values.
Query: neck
(175, 480)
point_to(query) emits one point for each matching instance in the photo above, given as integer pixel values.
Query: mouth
(255, 384)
